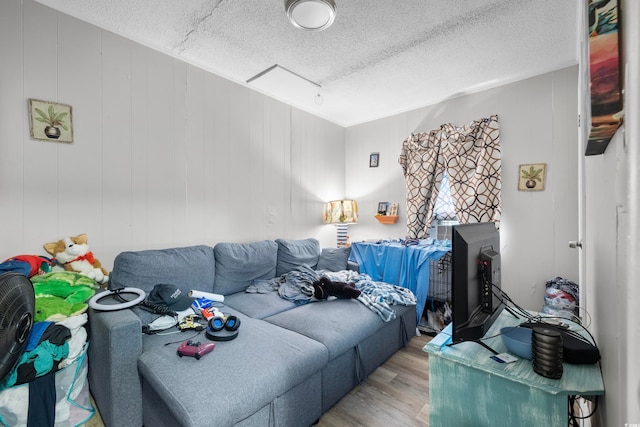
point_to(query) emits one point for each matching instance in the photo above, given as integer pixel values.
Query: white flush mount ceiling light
(311, 15)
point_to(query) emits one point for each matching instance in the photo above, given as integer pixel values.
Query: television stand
(499, 394)
(485, 345)
(482, 343)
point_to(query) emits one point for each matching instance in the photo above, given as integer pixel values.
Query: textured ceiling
(380, 57)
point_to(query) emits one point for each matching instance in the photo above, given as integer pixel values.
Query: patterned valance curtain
(472, 158)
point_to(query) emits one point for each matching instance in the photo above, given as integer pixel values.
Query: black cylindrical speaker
(546, 347)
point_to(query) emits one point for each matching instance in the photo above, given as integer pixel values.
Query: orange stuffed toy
(74, 255)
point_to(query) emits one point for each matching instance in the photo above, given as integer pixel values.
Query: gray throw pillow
(294, 253)
(334, 259)
(239, 264)
(191, 267)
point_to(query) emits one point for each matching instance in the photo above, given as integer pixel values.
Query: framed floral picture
(532, 177)
(50, 121)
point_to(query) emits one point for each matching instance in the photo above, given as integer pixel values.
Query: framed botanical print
(532, 177)
(50, 121)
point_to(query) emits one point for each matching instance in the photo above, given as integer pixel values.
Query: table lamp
(341, 213)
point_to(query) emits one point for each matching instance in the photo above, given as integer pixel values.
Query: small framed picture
(393, 209)
(50, 121)
(374, 160)
(382, 208)
(532, 177)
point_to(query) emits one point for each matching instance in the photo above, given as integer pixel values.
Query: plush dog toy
(74, 255)
(324, 288)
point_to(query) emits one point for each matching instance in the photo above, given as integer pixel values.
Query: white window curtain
(472, 159)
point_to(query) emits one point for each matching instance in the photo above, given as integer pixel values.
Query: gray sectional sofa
(289, 364)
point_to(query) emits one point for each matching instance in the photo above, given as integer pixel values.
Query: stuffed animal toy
(324, 288)
(61, 294)
(74, 255)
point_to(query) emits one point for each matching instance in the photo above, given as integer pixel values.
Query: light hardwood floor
(395, 394)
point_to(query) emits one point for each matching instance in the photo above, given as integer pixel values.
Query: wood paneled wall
(164, 153)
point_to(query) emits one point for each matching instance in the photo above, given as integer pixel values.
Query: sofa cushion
(191, 267)
(239, 264)
(294, 253)
(334, 259)
(257, 305)
(339, 324)
(235, 380)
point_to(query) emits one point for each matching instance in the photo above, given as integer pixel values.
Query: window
(444, 213)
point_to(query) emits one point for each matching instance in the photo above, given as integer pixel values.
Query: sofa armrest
(352, 265)
(115, 346)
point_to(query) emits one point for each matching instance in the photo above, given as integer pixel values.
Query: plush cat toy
(74, 255)
(324, 288)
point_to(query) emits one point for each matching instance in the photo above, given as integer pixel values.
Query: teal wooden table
(468, 388)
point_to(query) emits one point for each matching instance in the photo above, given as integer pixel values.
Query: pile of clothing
(50, 347)
(39, 390)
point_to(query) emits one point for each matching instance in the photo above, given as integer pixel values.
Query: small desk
(467, 388)
(397, 264)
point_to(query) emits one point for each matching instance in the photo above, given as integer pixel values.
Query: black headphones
(223, 328)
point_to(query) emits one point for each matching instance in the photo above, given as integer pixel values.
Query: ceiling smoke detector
(311, 15)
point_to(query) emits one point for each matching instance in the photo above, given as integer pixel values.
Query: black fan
(17, 305)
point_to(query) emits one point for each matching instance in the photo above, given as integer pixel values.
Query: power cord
(505, 299)
(186, 339)
(574, 419)
(156, 309)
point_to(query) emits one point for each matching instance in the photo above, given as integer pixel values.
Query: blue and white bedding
(297, 286)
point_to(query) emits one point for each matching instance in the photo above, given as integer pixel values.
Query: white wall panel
(222, 216)
(116, 139)
(14, 123)
(299, 163)
(206, 133)
(240, 157)
(40, 159)
(80, 163)
(179, 149)
(137, 205)
(161, 184)
(255, 157)
(277, 168)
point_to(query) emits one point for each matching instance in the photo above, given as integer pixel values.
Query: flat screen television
(475, 255)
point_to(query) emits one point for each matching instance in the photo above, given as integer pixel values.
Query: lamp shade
(341, 212)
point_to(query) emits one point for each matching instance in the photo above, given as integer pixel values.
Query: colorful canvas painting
(604, 74)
